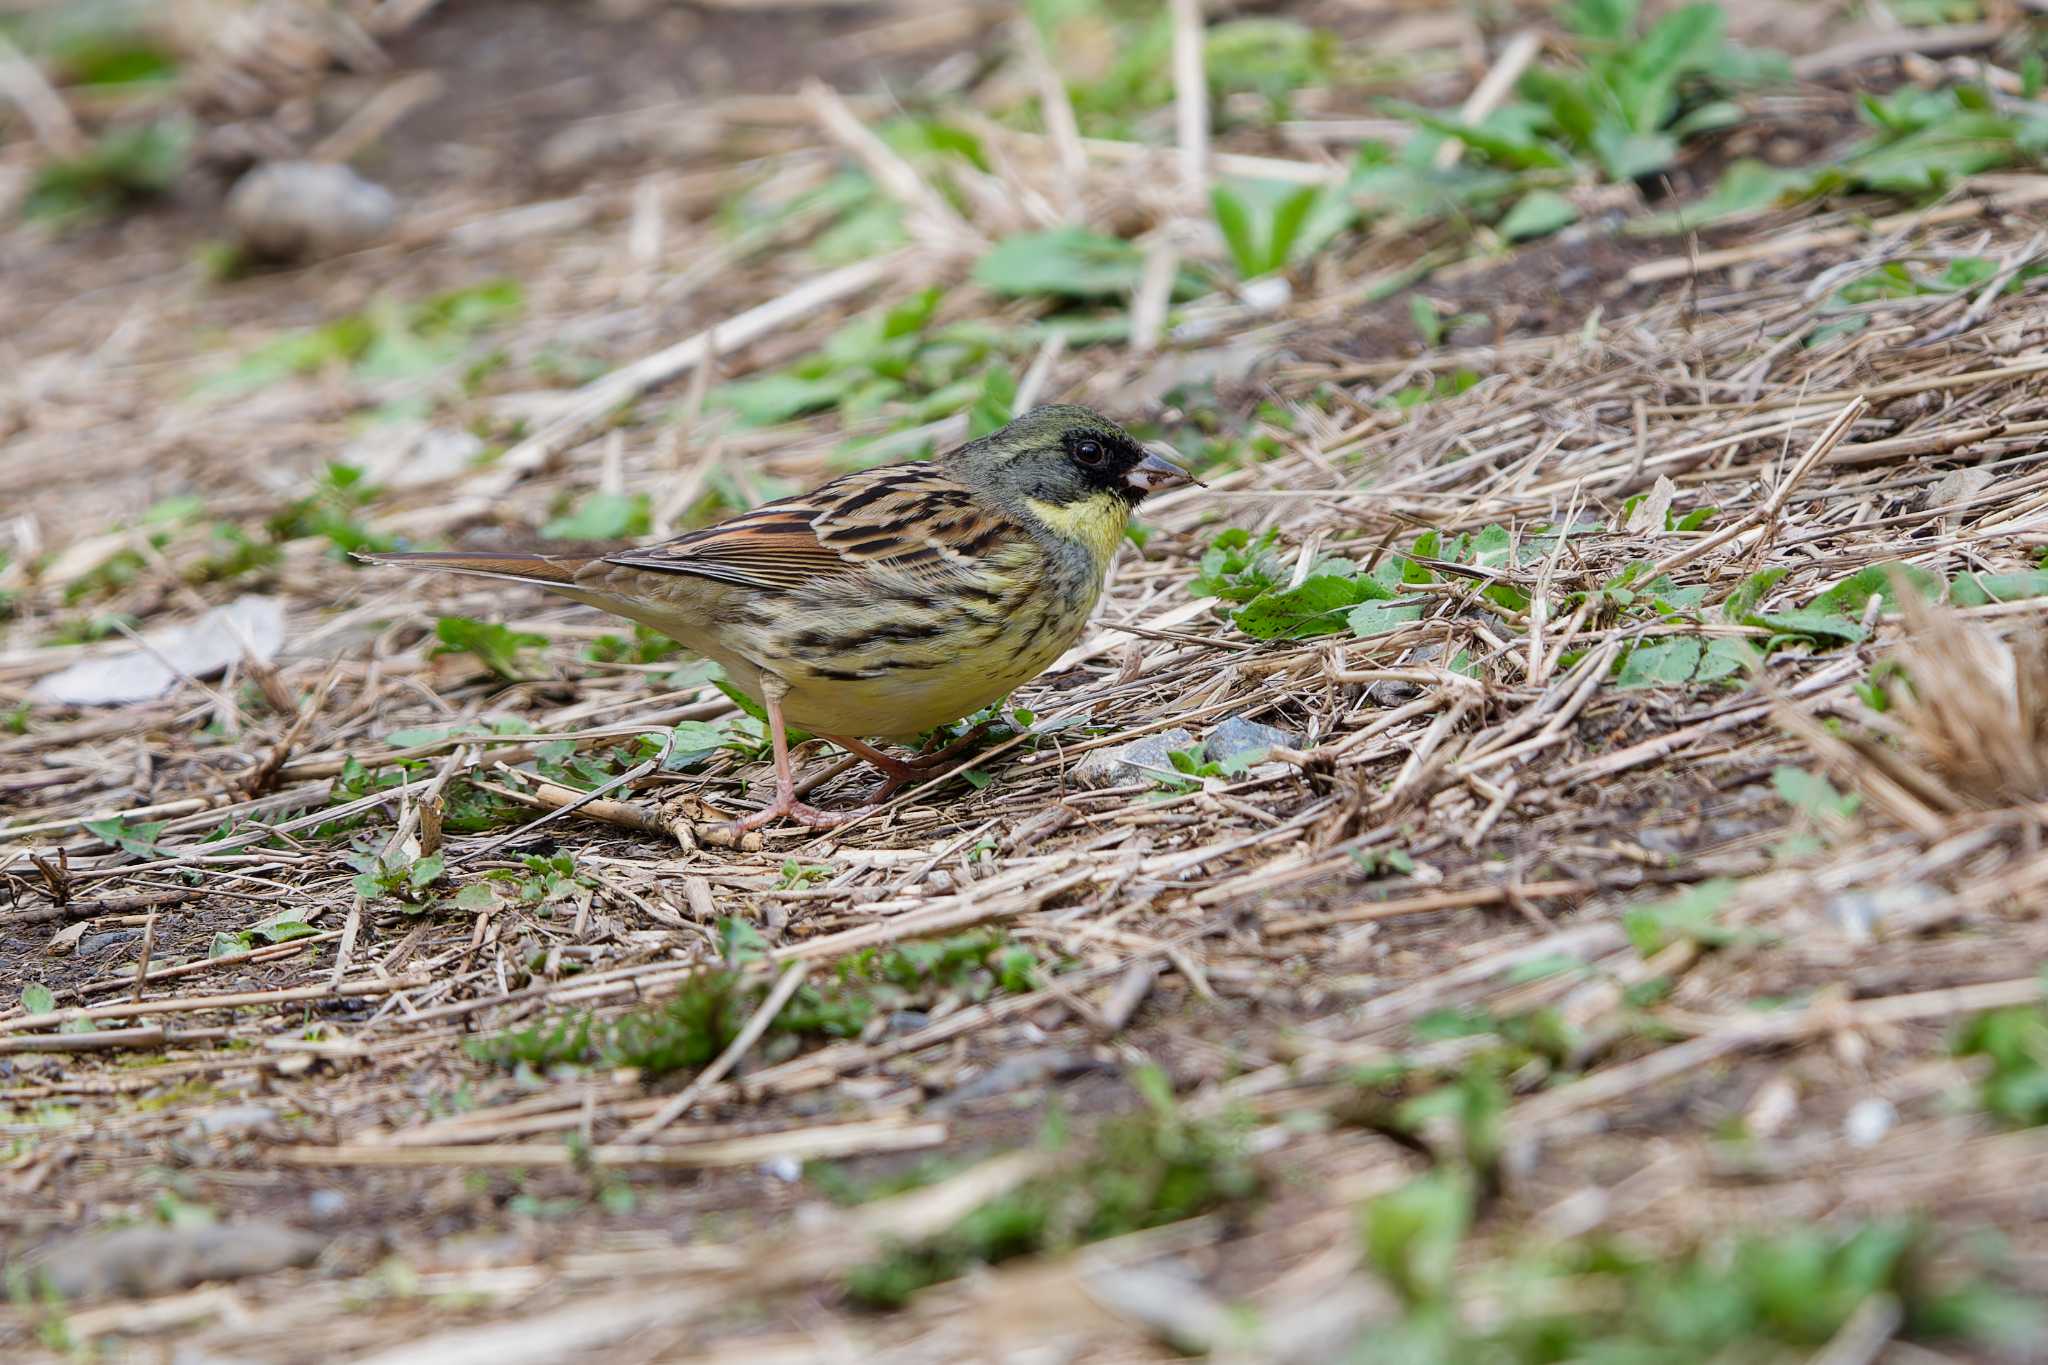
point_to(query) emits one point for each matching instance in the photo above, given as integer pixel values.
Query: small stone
(1025, 1071)
(301, 210)
(236, 1118)
(326, 1204)
(1859, 913)
(93, 944)
(1868, 1121)
(1246, 739)
(908, 1021)
(1142, 760)
(146, 1260)
(787, 1169)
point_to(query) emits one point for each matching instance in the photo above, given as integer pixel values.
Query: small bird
(886, 602)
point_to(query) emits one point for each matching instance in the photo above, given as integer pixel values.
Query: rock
(326, 1204)
(1868, 1121)
(302, 210)
(1246, 740)
(1025, 1071)
(1142, 760)
(147, 1260)
(1394, 693)
(93, 944)
(248, 627)
(1858, 914)
(234, 1118)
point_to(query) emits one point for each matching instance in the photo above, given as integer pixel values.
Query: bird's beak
(1155, 472)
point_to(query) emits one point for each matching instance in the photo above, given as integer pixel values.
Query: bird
(886, 602)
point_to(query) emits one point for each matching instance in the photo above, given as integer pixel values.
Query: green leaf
(603, 516)
(1693, 914)
(1977, 589)
(1538, 214)
(496, 646)
(284, 930)
(1066, 262)
(1744, 187)
(1627, 155)
(1318, 607)
(426, 871)
(740, 943)
(1505, 148)
(38, 999)
(1724, 657)
(1812, 793)
(1742, 603)
(1609, 21)
(1377, 618)
(1412, 1234)
(1818, 625)
(476, 896)
(138, 838)
(1850, 596)
(1937, 155)
(1660, 665)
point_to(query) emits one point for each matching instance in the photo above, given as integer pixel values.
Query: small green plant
(495, 645)
(1335, 597)
(137, 837)
(1765, 1295)
(645, 647)
(1261, 223)
(796, 874)
(125, 166)
(330, 510)
(2014, 1043)
(1693, 915)
(899, 359)
(1138, 1171)
(709, 1009)
(282, 927)
(542, 1045)
(395, 877)
(389, 340)
(603, 516)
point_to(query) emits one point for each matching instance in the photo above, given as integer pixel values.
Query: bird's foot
(787, 807)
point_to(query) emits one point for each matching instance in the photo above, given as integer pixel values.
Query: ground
(1627, 936)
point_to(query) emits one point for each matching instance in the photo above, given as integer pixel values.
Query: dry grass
(1475, 801)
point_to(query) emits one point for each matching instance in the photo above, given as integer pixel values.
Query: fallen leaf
(250, 627)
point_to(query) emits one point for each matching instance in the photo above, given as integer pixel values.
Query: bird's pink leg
(785, 803)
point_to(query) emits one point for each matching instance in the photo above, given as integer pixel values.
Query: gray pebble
(1858, 914)
(234, 1118)
(299, 210)
(1241, 738)
(92, 944)
(325, 1204)
(1142, 760)
(1026, 1070)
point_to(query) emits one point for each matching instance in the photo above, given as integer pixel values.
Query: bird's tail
(549, 571)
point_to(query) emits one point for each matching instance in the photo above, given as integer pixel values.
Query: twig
(1190, 100)
(1492, 89)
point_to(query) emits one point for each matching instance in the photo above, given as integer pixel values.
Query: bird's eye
(1088, 452)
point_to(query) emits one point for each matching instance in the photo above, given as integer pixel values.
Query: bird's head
(1071, 468)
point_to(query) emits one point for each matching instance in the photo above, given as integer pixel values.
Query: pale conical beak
(1155, 472)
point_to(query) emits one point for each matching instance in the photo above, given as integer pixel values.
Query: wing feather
(912, 519)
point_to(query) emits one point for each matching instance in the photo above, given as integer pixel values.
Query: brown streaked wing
(894, 517)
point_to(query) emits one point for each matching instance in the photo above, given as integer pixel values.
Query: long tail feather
(549, 571)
